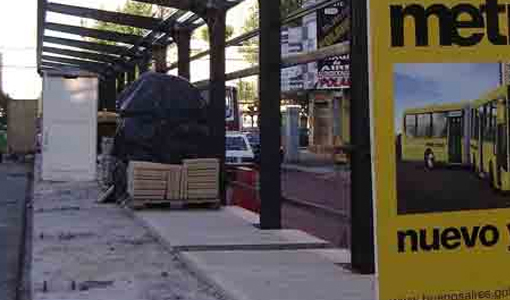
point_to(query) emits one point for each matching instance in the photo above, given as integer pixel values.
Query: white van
(238, 149)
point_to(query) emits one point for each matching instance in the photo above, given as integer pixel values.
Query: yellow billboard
(441, 147)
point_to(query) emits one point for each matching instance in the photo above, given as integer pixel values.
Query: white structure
(69, 127)
(1, 73)
(292, 133)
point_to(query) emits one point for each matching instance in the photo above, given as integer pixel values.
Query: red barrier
(245, 189)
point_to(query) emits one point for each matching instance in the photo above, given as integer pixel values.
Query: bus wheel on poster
(429, 159)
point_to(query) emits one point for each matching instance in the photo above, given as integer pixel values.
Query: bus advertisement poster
(440, 147)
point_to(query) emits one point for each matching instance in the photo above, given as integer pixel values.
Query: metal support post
(216, 20)
(131, 75)
(121, 82)
(362, 232)
(270, 117)
(101, 94)
(159, 52)
(144, 63)
(111, 93)
(183, 48)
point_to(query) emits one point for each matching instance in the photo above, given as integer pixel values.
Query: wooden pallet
(138, 204)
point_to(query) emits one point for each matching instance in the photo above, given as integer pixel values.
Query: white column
(292, 133)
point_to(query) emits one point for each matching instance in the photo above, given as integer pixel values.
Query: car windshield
(254, 139)
(236, 143)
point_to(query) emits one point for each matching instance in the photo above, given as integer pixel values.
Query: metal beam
(106, 16)
(81, 54)
(289, 61)
(95, 33)
(193, 5)
(298, 14)
(41, 18)
(77, 62)
(270, 118)
(109, 49)
(62, 66)
(188, 5)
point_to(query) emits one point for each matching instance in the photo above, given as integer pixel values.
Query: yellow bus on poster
(441, 147)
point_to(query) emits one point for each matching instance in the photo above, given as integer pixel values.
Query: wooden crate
(174, 183)
(195, 182)
(202, 179)
(147, 180)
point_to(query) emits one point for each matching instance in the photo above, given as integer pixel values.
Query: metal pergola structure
(118, 65)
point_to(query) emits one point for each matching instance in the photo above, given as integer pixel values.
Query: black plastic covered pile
(163, 119)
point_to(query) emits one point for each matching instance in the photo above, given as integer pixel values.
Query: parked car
(238, 149)
(254, 139)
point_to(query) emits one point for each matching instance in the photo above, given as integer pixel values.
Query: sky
(20, 79)
(417, 85)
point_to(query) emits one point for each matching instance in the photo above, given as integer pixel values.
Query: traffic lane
(13, 184)
(331, 190)
(444, 189)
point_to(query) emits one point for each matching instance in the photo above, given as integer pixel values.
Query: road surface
(330, 191)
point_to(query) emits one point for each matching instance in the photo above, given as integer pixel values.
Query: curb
(23, 280)
(205, 277)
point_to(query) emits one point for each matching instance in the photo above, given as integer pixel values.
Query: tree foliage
(288, 6)
(251, 47)
(130, 7)
(4, 100)
(203, 33)
(246, 91)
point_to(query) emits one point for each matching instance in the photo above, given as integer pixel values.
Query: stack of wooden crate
(201, 180)
(175, 182)
(147, 181)
(195, 181)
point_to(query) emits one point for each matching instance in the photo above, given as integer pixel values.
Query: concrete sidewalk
(246, 263)
(84, 250)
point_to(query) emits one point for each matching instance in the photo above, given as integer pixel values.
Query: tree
(246, 91)
(288, 6)
(203, 33)
(4, 100)
(130, 7)
(251, 47)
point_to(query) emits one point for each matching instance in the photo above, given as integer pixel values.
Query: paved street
(13, 183)
(330, 191)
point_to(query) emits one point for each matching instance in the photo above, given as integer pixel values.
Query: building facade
(325, 84)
